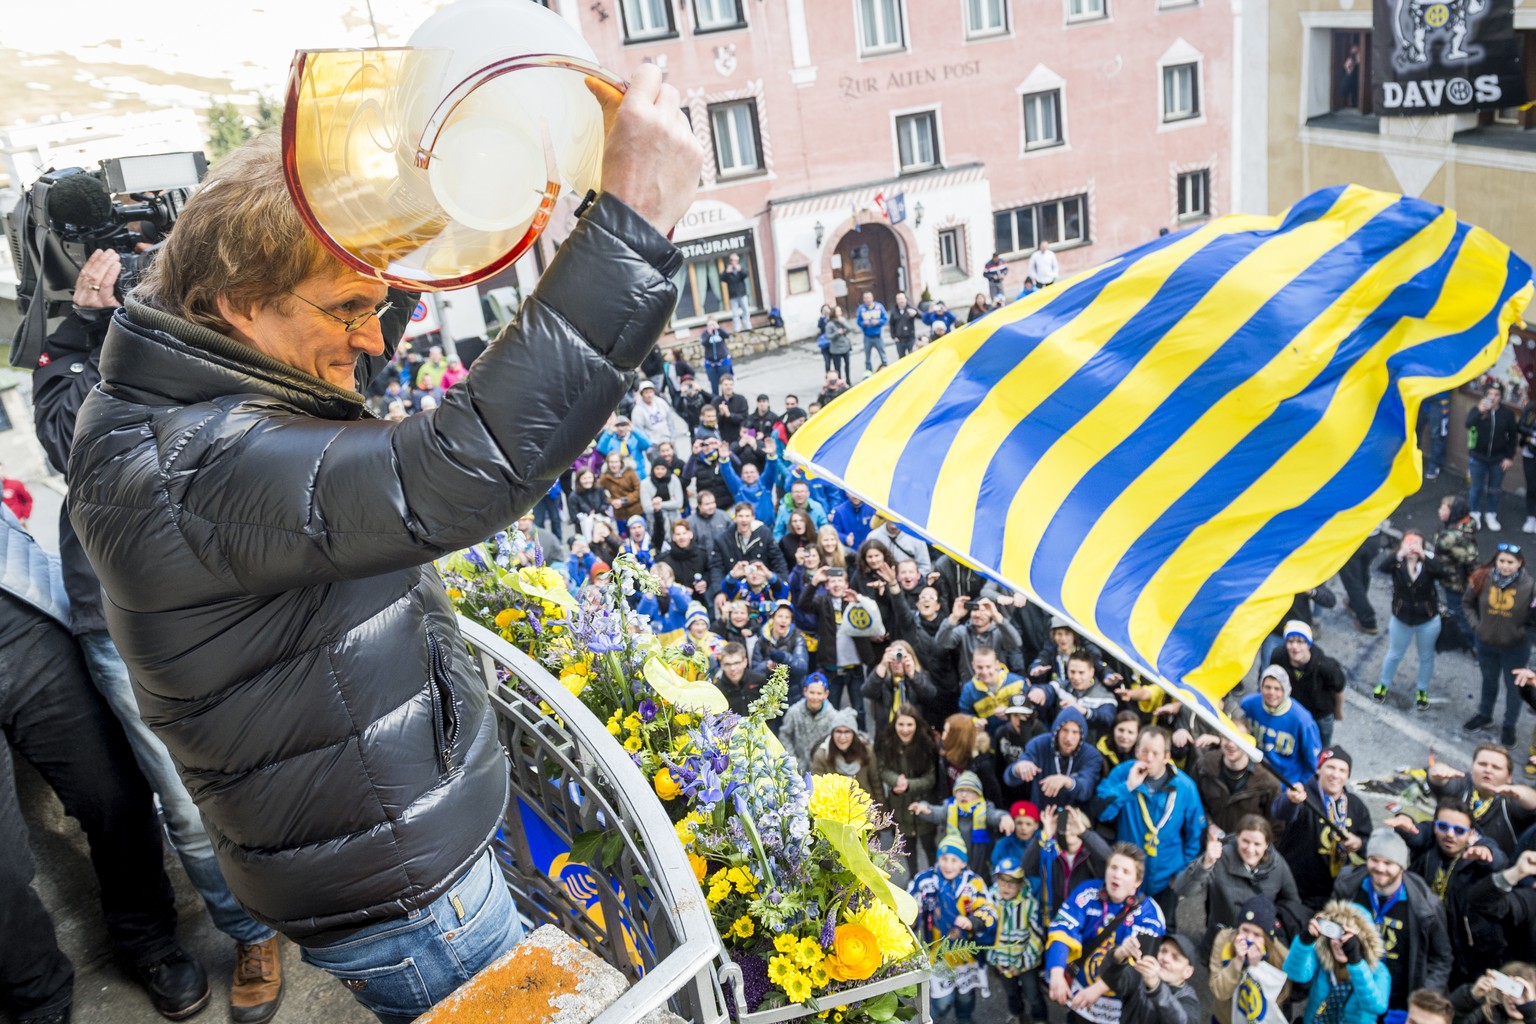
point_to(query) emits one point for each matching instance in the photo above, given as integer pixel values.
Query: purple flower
(688, 648)
(474, 557)
(828, 926)
(647, 710)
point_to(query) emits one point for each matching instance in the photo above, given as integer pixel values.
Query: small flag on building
(880, 205)
(1168, 447)
(896, 207)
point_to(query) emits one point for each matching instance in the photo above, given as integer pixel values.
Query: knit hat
(1008, 867)
(1336, 752)
(796, 413)
(632, 520)
(1388, 845)
(968, 780)
(1260, 910)
(695, 611)
(1276, 672)
(1298, 628)
(1025, 808)
(952, 843)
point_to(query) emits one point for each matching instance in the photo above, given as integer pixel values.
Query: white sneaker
(1530, 525)
(1477, 519)
(1493, 522)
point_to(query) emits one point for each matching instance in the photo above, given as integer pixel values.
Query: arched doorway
(870, 259)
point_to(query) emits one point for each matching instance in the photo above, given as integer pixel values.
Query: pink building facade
(896, 144)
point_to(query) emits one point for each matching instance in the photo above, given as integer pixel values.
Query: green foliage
(228, 127)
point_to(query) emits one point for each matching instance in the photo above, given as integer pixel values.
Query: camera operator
(65, 375)
(266, 549)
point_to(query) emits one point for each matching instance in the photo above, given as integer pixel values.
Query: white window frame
(740, 20)
(1173, 5)
(1084, 238)
(955, 236)
(646, 35)
(1197, 112)
(897, 117)
(972, 32)
(721, 171)
(882, 48)
(1202, 174)
(1101, 14)
(1058, 106)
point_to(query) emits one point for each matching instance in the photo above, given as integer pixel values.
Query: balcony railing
(645, 914)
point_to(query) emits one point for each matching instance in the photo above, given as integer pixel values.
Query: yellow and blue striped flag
(1170, 446)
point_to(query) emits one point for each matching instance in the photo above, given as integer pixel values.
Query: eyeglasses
(1447, 828)
(1509, 549)
(357, 321)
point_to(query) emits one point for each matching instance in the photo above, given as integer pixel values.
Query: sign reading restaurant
(1445, 57)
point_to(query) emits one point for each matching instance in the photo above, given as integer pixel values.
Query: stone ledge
(549, 978)
(751, 342)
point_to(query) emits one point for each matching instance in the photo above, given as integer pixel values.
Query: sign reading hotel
(1445, 57)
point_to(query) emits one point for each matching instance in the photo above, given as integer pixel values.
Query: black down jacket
(265, 549)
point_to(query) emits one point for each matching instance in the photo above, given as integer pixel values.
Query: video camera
(68, 214)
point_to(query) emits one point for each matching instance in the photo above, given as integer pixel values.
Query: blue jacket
(30, 574)
(1372, 984)
(760, 602)
(675, 616)
(790, 652)
(930, 318)
(760, 494)
(1085, 764)
(1180, 837)
(578, 569)
(611, 441)
(1289, 740)
(852, 523)
(873, 325)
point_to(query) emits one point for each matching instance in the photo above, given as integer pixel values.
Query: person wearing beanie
(1350, 984)
(1285, 730)
(969, 818)
(1026, 826)
(1415, 614)
(1404, 911)
(953, 906)
(1317, 681)
(1017, 948)
(1314, 816)
(1247, 967)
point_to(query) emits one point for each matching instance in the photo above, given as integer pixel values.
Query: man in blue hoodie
(871, 318)
(753, 486)
(1062, 768)
(1156, 807)
(852, 519)
(1286, 731)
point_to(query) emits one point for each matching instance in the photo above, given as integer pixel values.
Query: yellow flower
(613, 727)
(808, 953)
(699, 864)
(632, 744)
(632, 722)
(855, 953)
(893, 938)
(743, 928)
(666, 786)
(797, 987)
(719, 888)
(841, 799)
(504, 618)
(818, 975)
(743, 880)
(680, 743)
(682, 719)
(455, 594)
(785, 943)
(780, 968)
(575, 684)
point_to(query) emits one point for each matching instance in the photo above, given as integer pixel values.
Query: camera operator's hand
(93, 288)
(651, 159)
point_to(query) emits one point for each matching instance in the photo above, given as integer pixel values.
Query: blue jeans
(963, 1003)
(400, 968)
(873, 343)
(1325, 730)
(1487, 484)
(715, 372)
(1496, 662)
(182, 821)
(1423, 636)
(741, 316)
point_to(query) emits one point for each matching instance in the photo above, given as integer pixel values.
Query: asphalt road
(1381, 739)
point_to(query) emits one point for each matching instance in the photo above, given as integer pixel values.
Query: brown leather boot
(257, 986)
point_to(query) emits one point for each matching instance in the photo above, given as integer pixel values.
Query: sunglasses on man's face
(1445, 828)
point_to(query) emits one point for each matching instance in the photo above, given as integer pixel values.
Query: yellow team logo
(1250, 1001)
(1436, 15)
(1499, 599)
(858, 617)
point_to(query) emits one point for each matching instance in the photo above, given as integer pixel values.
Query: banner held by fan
(1168, 447)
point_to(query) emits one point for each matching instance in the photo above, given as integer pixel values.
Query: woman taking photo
(833, 555)
(1235, 870)
(1415, 614)
(909, 769)
(896, 681)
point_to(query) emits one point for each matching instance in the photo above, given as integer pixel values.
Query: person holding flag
(1325, 825)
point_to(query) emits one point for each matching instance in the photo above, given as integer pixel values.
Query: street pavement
(1381, 739)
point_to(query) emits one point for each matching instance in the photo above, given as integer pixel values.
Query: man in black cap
(762, 419)
(1153, 986)
(1324, 823)
(1248, 981)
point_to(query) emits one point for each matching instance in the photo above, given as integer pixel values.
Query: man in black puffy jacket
(266, 549)
(1491, 438)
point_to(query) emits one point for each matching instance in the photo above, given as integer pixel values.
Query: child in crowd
(968, 816)
(953, 908)
(1015, 956)
(1026, 825)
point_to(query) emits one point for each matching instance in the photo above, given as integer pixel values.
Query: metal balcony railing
(646, 915)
